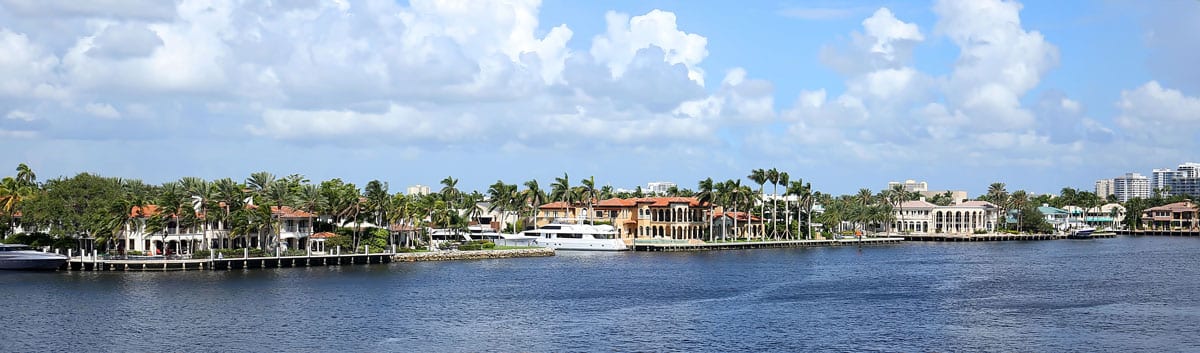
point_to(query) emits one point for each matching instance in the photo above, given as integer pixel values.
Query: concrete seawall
(471, 255)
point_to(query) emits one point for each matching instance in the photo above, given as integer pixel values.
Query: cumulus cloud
(999, 61)
(1154, 113)
(625, 36)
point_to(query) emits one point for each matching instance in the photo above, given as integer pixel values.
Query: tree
(773, 177)
(561, 190)
(450, 191)
(707, 195)
(782, 179)
(758, 176)
(587, 190)
(534, 197)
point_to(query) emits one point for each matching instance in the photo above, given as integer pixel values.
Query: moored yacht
(568, 236)
(1081, 233)
(22, 257)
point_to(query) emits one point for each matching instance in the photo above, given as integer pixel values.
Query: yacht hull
(32, 264)
(587, 245)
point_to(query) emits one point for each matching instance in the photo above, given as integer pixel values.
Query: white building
(921, 217)
(659, 187)
(1160, 178)
(1131, 185)
(910, 185)
(1104, 187)
(417, 190)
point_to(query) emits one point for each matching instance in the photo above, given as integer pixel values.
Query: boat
(485, 232)
(570, 236)
(23, 257)
(1081, 233)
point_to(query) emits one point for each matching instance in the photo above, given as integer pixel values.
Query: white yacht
(21, 257)
(567, 236)
(485, 232)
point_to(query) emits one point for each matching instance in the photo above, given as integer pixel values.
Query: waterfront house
(922, 217)
(296, 225)
(732, 225)
(1057, 217)
(671, 217)
(1107, 215)
(1175, 216)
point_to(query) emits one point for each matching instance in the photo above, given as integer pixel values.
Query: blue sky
(842, 94)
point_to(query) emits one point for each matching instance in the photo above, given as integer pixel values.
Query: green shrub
(477, 245)
(981, 231)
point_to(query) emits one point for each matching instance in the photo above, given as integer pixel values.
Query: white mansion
(921, 217)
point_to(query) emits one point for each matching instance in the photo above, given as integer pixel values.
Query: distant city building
(660, 187)
(1131, 185)
(922, 187)
(1160, 178)
(1184, 180)
(910, 185)
(1104, 187)
(417, 190)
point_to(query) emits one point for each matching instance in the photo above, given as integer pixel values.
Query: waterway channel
(1121, 294)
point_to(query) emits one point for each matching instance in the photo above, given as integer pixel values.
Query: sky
(841, 94)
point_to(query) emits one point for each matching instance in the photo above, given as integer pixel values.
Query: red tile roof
(323, 235)
(288, 212)
(556, 205)
(616, 202)
(1175, 207)
(741, 216)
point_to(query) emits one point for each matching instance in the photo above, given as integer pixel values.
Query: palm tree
(534, 197)
(706, 195)
(229, 196)
(588, 190)
(450, 191)
(897, 196)
(561, 190)
(782, 179)
(862, 200)
(773, 177)
(1019, 198)
(25, 176)
(722, 195)
(758, 176)
(201, 196)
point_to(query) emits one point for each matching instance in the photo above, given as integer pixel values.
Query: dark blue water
(1124, 294)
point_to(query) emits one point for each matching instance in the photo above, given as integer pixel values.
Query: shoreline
(471, 255)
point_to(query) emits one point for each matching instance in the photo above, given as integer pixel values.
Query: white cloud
(102, 110)
(738, 100)
(1153, 113)
(26, 71)
(626, 36)
(999, 61)
(886, 29)
(20, 115)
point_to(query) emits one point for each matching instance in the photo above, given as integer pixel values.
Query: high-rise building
(417, 190)
(910, 185)
(659, 187)
(1104, 187)
(1160, 178)
(1131, 185)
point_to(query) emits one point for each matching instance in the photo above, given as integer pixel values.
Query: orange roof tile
(556, 205)
(323, 235)
(288, 212)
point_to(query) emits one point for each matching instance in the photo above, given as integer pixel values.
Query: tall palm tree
(706, 194)
(773, 178)
(201, 194)
(1019, 199)
(450, 191)
(230, 197)
(26, 176)
(722, 191)
(561, 190)
(897, 196)
(782, 179)
(534, 197)
(587, 190)
(758, 176)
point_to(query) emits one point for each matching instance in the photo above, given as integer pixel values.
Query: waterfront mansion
(921, 217)
(649, 217)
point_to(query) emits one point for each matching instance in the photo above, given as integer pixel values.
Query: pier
(89, 263)
(653, 245)
(980, 237)
(1166, 233)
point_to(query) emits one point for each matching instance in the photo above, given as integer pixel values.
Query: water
(1123, 294)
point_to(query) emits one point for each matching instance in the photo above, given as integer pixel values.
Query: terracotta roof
(1175, 207)
(323, 235)
(741, 216)
(556, 205)
(616, 202)
(288, 212)
(667, 201)
(143, 211)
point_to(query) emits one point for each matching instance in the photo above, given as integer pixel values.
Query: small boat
(1081, 233)
(568, 236)
(22, 257)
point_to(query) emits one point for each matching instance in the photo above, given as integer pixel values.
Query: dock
(992, 237)
(88, 263)
(1165, 233)
(672, 246)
